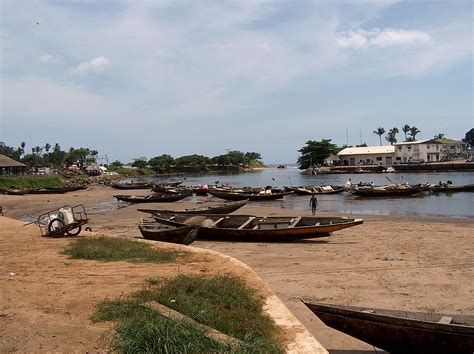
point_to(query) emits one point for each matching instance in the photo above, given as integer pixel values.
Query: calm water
(446, 205)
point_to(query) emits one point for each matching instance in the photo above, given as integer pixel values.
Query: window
(428, 146)
(379, 158)
(398, 158)
(409, 147)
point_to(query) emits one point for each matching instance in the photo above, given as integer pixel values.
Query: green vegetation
(21, 182)
(109, 249)
(315, 152)
(223, 302)
(379, 131)
(469, 138)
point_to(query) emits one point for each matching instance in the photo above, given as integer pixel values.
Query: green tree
(140, 163)
(192, 161)
(413, 133)
(116, 164)
(439, 136)
(405, 129)
(380, 131)
(469, 138)
(392, 136)
(161, 163)
(221, 160)
(315, 152)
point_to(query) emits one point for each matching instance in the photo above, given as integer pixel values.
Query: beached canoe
(132, 185)
(224, 208)
(164, 187)
(448, 188)
(249, 196)
(152, 230)
(56, 190)
(400, 331)
(152, 198)
(391, 190)
(308, 190)
(256, 228)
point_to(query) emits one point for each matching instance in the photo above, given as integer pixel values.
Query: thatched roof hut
(10, 166)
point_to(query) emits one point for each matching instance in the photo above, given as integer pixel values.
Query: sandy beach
(414, 264)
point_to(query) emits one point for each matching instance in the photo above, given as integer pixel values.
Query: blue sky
(143, 78)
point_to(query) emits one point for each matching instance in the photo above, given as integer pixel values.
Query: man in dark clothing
(313, 202)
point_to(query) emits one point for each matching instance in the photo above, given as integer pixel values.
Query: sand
(413, 264)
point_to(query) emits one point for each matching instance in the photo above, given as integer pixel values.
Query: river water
(457, 205)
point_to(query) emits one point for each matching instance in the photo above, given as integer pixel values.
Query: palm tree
(392, 135)
(413, 132)
(380, 131)
(406, 129)
(439, 136)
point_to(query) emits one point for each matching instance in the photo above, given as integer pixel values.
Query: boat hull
(164, 198)
(221, 209)
(399, 332)
(181, 234)
(262, 229)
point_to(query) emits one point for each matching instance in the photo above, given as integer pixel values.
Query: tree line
(166, 162)
(54, 156)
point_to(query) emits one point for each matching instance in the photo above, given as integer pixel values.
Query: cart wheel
(190, 237)
(74, 232)
(55, 225)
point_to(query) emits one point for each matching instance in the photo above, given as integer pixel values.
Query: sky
(143, 78)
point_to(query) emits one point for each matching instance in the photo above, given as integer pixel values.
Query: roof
(332, 158)
(450, 141)
(387, 149)
(416, 142)
(5, 161)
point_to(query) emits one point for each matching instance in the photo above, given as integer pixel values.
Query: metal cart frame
(51, 224)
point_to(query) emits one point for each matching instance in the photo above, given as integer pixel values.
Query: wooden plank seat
(248, 221)
(295, 222)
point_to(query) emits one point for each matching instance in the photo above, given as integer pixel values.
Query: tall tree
(315, 152)
(161, 163)
(392, 136)
(439, 136)
(469, 138)
(406, 128)
(413, 132)
(380, 131)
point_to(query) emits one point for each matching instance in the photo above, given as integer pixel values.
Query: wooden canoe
(254, 228)
(152, 198)
(308, 190)
(400, 331)
(447, 188)
(166, 233)
(249, 196)
(54, 190)
(224, 208)
(385, 191)
(132, 185)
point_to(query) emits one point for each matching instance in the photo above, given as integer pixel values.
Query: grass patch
(20, 182)
(223, 302)
(109, 249)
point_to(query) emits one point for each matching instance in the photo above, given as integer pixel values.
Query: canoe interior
(401, 331)
(237, 221)
(253, 228)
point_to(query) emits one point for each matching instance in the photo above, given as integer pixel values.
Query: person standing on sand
(313, 202)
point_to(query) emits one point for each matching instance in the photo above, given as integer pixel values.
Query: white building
(369, 155)
(422, 151)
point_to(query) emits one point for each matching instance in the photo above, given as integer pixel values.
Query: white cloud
(49, 59)
(381, 38)
(96, 65)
